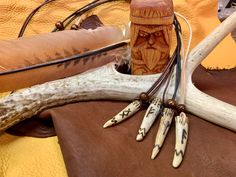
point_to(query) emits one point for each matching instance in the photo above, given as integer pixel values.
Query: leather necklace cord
(167, 84)
(178, 32)
(69, 19)
(156, 86)
(77, 13)
(165, 76)
(185, 58)
(162, 75)
(30, 16)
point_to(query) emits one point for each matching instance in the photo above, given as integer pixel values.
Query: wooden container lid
(152, 12)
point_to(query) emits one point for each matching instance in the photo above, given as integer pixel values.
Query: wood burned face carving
(150, 35)
(150, 48)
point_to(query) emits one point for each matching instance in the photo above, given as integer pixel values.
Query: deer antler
(106, 83)
(221, 113)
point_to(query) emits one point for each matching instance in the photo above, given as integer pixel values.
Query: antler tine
(212, 109)
(204, 48)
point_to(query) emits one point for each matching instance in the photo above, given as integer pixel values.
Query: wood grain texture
(150, 34)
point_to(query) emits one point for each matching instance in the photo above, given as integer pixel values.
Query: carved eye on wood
(143, 34)
(158, 33)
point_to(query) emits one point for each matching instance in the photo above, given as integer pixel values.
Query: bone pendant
(149, 118)
(130, 110)
(164, 126)
(181, 125)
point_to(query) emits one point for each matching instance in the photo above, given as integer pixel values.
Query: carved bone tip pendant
(108, 124)
(149, 118)
(139, 137)
(181, 138)
(155, 152)
(176, 163)
(130, 110)
(163, 129)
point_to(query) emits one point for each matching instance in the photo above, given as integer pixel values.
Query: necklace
(157, 106)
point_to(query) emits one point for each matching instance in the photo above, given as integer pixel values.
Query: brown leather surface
(40, 127)
(89, 150)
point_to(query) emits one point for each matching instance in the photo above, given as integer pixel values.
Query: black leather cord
(30, 16)
(175, 60)
(69, 19)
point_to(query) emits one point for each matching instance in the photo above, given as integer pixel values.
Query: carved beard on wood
(150, 48)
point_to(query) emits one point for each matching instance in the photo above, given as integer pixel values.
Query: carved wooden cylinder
(151, 30)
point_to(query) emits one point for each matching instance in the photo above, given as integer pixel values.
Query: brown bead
(181, 108)
(143, 97)
(74, 27)
(171, 104)
(59, 25)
